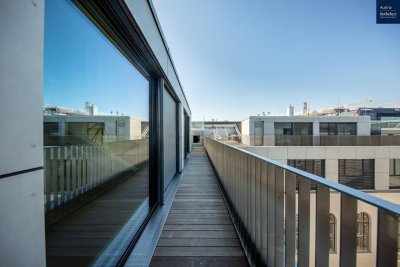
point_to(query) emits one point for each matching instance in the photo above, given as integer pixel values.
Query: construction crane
(344, 107)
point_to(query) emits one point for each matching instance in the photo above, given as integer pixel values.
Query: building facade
(276, 130)
(371, 168)
(37, 183)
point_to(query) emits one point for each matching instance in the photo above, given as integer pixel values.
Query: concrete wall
(22, 238)
(143, 12)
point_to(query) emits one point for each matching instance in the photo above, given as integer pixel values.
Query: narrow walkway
(198, 230)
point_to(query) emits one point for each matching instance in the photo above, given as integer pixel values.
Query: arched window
(332, 233)
(363, 231)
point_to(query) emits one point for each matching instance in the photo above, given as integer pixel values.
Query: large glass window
(394, 173)
(347, 128)
(357, 173)
(341, 128)
(293, 133)
(313, 166)
(258, 133)
(283, 128)
(332, 233)
(363, 232)
(328, 128)
(302, 128)
(96, 124)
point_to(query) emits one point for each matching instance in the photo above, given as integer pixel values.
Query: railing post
(62, 174)
(388, 225)
(271, 215)
(348, 231)
(279, 215)
(54, 167)
(264, 212)
(322, 226)
(290, 218)
(304, 223)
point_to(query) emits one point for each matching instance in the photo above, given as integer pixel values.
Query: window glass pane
(313, 166)
(96, 110)
(394, 173)
(347, 128)
(283, 128)
(357, 173)
(302, 128)
(328, 128)
(363, 233)
(258, 133)
(332, 233)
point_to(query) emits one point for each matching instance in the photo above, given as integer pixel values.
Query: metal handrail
(359, 195)
(261, 195)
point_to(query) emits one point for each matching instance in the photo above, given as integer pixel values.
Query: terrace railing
(261, 194)
(334, 140)
(71, 171)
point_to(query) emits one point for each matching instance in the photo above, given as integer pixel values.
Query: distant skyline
(242, 58)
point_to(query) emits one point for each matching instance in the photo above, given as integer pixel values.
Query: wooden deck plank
(198, 230)
(199, 251)
(198, 242)
(77, 239)
(198, 261)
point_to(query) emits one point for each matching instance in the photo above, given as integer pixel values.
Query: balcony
(263, 201)
(333, 140)
(246, 215)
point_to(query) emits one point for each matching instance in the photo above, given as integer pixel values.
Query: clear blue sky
(237, 58)
(80, 65)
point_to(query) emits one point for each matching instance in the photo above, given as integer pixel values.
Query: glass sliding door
(96, 146)
(258, 133)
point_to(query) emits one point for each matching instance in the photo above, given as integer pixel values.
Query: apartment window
(347, 128)
(283, 128)
(50, 134)
(293, 128)
(357, 173)
(302, 128)
(341, 128)
(394, 173)
(332, 233)
(100, 101)
(313, 166)
(79, 133)
(258, 133)
(363, 232)
(328, 128)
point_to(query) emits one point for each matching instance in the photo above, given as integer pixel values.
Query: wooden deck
(80, 237)
(198, 230)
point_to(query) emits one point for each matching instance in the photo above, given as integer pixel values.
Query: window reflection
(96, 128)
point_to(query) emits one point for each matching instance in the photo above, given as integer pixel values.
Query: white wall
(22, 237)
(143, 11)
(22, 230)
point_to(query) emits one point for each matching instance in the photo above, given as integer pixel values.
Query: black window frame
(115, 21)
